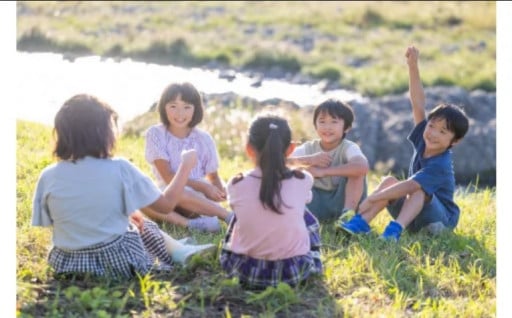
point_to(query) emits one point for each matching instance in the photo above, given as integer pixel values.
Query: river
(46, 80)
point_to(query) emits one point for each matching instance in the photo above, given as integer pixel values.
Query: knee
(419, 194)
(387, 181)
(356, 180)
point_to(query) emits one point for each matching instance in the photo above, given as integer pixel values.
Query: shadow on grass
(199, 290)
(210, 293)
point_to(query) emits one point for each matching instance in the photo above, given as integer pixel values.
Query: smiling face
(179, 114)
(330, 130)
(437, 137)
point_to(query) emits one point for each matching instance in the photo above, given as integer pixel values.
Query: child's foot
(184, 255)
(346, 215)
(187, 240)
(205, 223)
(392, 232)
(355, 225)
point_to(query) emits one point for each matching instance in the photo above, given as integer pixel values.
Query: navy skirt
(258, 273)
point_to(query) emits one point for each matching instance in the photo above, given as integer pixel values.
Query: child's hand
(137, 219)
(315, 171)
(412, 54)
(214, 193)
(321, 159)
(189, 157)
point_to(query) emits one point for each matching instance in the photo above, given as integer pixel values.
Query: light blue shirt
(89, 201)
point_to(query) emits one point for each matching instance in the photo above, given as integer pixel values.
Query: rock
(382, 124)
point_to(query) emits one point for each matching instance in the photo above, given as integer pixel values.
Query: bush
(267, 60)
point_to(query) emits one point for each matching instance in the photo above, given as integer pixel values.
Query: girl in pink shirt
(273, 237)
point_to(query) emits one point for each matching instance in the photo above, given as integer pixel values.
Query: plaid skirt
(258, 273)
(127, 255)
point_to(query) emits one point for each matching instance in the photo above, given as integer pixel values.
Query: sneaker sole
(343, 229)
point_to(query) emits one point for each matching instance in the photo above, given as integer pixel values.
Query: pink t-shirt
(161, 144)
(262, 233)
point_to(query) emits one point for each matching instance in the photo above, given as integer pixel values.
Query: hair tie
(272, 126)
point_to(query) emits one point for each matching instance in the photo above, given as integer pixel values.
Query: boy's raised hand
(412, 54)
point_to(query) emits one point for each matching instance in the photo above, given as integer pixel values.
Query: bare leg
(370, 214)
(353, 192)
(411, 208)
(199, 204)
(172, 217)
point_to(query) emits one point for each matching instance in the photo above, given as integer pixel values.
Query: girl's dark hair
(337, 109)
(270, 136)
(84, 127)
(188, 94)
(456, 120)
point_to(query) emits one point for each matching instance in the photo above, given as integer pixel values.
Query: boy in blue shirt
(425, 199)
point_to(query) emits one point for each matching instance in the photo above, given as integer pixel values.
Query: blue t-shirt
(435, 174)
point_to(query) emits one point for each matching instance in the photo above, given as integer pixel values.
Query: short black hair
(337, 109)
(189, 94)
(456, 120)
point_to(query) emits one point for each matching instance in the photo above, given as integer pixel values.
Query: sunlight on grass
(453, 275)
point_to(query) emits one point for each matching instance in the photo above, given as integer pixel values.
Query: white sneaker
(187, 240)
(185, 254)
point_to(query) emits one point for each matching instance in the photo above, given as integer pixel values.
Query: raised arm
(416, 93)
(174, 189)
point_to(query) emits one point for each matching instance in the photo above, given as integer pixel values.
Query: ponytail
(270, 136)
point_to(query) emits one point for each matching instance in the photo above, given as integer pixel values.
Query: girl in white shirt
(181, 110)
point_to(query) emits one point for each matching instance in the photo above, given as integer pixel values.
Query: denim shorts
(432, 212)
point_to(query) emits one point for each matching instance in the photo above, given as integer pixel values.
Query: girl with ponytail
(273, 237)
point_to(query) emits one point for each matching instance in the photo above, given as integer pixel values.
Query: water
(46, 80)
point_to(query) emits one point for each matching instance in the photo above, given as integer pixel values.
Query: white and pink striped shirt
(161, 144)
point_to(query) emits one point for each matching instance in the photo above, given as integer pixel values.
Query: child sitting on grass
(338, 164)
(425, 199)
(91, 200)
(181, 109)
(273, 237)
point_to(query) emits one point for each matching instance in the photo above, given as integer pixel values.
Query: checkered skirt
(258, 273)
(129, 254)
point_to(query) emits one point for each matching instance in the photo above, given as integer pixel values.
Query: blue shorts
(328, 205)
(432, 212)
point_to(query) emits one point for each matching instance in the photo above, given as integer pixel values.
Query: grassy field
(450, 276)
(354, 44)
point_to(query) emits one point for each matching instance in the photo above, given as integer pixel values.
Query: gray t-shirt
(89, 202)
(340, 155)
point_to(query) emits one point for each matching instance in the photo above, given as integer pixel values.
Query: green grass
(450, 276)
(357, 44)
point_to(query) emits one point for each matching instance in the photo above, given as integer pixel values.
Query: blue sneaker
(355, 225)
(392, 232)
(346, 215)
